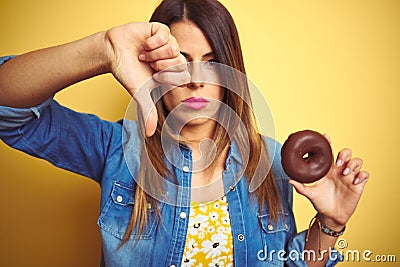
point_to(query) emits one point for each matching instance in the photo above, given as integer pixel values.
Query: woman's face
(198, 98)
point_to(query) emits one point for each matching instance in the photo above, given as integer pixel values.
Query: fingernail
(183, 78)
(187, 77)
(142, 57)
(339, 162)
(346, 171)
(356, 180)
(156, 76)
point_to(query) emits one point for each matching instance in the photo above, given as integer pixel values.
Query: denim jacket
(85, 144)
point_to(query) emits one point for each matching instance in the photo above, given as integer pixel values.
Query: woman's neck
(195, 134)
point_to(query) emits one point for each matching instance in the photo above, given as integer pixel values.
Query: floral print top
(209, 238)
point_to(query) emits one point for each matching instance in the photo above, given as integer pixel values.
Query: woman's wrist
(330, 223)
(102, 53)
(88, 57)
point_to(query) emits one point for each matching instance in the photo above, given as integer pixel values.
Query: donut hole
(307, 156)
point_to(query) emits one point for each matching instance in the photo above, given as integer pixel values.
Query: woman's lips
(195, 103)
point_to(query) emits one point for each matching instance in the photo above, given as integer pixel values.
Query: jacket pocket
(274, 238)
(116, 214)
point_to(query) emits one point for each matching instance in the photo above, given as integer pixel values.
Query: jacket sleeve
(296, 244)
(74, 141)
(70, 140)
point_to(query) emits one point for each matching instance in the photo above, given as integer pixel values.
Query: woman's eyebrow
(209, 54)
(186, 55)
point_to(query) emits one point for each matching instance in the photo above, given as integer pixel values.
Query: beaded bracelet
(323, 229)
(331, 232)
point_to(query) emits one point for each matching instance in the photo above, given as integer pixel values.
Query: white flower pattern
(209, 238)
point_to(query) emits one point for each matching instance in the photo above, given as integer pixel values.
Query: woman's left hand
(335, 196)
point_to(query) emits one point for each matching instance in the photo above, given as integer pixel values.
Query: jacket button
(286, 226)
(173, 265)
(270, 227)
(119, 199)
(185, 168)
(182, 215)
(232, 188)
(240, 237)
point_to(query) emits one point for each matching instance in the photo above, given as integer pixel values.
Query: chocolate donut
(306, 156)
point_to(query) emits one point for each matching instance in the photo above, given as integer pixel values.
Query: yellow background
(332, 66)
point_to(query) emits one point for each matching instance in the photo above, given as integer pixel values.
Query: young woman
(150, 213)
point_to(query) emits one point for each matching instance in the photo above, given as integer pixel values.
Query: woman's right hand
(136, 51)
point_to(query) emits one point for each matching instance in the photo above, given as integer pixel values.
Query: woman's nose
(197, 75)
(195, 85)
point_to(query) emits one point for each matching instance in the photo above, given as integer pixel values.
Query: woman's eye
(210, 63)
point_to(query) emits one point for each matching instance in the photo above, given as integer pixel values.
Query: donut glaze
(306, 156)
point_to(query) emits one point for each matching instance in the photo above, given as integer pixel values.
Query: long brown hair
(219, 28)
